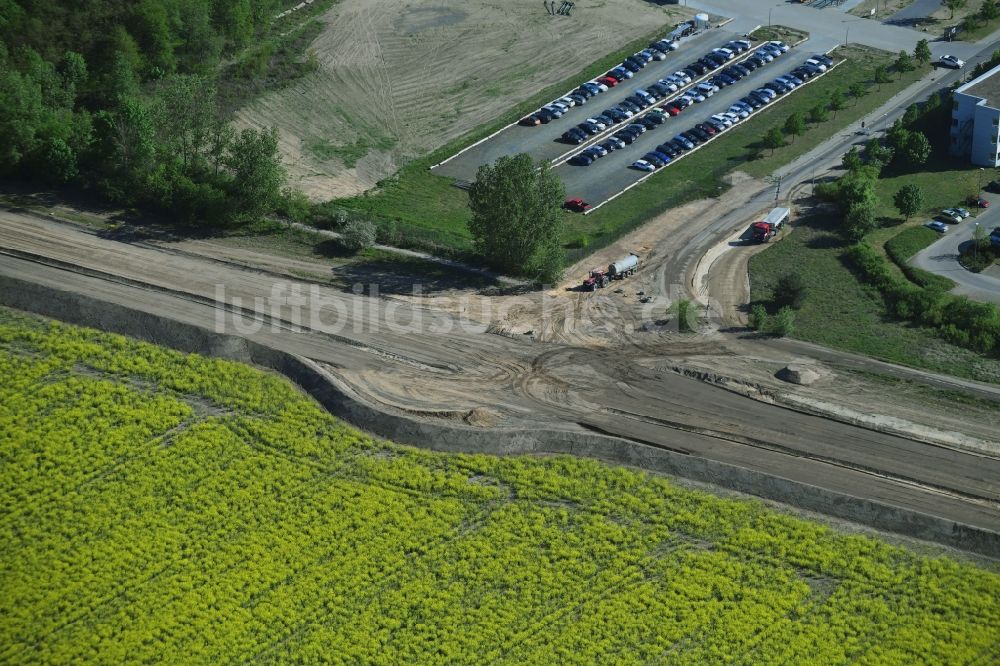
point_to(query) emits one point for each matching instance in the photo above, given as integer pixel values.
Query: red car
(672, 110)
(979, 202)
(608, 81)
(576, 204)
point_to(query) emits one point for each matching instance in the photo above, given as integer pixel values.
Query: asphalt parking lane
(542, 141)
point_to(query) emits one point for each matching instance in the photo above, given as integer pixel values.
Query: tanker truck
(624, 267)
(600, 277)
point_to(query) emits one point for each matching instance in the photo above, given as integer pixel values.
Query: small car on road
(939, 227)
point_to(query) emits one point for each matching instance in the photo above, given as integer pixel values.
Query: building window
(954, 122)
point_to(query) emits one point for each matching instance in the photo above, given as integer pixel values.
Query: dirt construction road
(405, 358)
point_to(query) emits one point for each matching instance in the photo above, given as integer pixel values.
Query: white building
(975, 119)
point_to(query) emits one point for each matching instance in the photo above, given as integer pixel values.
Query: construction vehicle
(598, 279)
(765, 230)
(624, 267)
(602, 277)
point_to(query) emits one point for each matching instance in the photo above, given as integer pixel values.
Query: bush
(955, 318)
(358, 234)
(685, 312)
(783, 323)
(790, 291)
(758, 317)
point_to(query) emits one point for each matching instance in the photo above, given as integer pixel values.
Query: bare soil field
(398, 79)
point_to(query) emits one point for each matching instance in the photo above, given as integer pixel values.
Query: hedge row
(956, 318)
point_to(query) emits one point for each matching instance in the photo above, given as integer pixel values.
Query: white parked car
(706, 89)
(817, 64)
(600, 85)
(739, 111)
(954, 62)
(683, 77)
(781, 45)
(600, 125)
(567, 101)
(643, 165)
(719, 118)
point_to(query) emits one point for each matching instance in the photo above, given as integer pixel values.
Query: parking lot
(611, 174)
(542, 142)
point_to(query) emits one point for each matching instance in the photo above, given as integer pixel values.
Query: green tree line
(120, 98)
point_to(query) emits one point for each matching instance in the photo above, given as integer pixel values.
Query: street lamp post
(979, 189)
(847, 35)
(975, 244)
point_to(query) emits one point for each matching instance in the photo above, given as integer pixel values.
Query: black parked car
(702, 135)
(668, 149)
(694, 138)
(574, 136)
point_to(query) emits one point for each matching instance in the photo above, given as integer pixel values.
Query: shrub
(790, 291)
(358, 234)
(758, 317)
(783, 323)
(685, 312)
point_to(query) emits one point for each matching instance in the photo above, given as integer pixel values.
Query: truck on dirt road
(765, 229)
(619, 270)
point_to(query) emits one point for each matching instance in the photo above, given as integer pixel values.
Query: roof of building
(986, 86)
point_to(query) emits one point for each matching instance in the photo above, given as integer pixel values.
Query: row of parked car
(657, 50)
(720, 122)
(643, 98)
(685, 140)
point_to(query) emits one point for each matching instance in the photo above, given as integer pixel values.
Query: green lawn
(843, 313)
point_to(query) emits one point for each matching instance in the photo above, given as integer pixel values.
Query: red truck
(764, 230)
(597, 279)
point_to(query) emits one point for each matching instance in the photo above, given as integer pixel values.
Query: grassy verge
(700, 175)
(842, 312)
(780, 33)
(883, 8)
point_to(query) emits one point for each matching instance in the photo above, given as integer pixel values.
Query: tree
(790, 291)
(881, 75)
(857, 90)
(989, 10)
(517, 218)
(908, 200)
(852, 160)
(953, 5)
(819, 113)
(774, 139)
(860, 221)
(897, 136)
(837, 101)
(257, 175)
(922, 52)
(917, 148)
(877, 154)
(795, 125)
(187, 112)
(903, 62)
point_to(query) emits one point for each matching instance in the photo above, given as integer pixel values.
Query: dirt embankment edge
(85, 310)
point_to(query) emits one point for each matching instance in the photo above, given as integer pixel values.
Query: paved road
(542, 142)
(400, 356)
(942, 258)
(918, 10)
